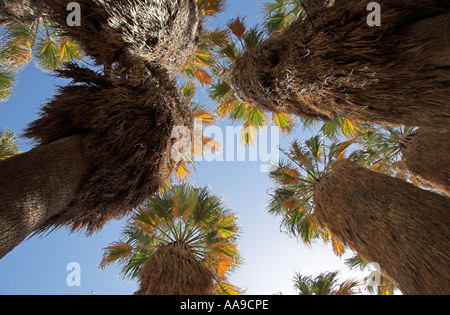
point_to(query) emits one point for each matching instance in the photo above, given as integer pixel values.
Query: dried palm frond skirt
(126, 125)
(403, 228)
(335, 63)
(427, 155)
(163, 32)
(174, 270)
(19, 11)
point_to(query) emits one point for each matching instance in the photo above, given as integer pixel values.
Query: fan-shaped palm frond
(185, 215)
(295, 179)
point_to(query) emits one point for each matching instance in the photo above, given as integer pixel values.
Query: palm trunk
(388, 221)
(426, 154)
(36, 186)
(338, 65)
(173, 269)
(436, 31)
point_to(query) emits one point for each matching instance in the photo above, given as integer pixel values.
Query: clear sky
(271, 258)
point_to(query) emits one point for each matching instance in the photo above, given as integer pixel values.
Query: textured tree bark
(403, 228)
(393, 74)
(435, 31)
(37, 185)
(426, 154)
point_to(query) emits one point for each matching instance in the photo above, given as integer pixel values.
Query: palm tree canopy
(185, 215)
(8, 147)
(324, 284)
(295, 180)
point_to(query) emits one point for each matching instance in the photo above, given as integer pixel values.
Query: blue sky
(271, 258)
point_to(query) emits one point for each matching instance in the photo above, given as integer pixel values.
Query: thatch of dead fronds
(126, 123)
(163, 32)
(386, 220)
(19, 11)
(334, 63)
(173, 269)
(427, 155)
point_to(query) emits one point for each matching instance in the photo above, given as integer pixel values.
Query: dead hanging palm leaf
(426, 154)
(386, 220)
(19, 11)
(126, 125)
(165, 32)
(341, 66)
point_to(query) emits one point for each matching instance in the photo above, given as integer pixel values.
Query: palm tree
(8, 148)
(416, 155)
(426, 155)
(278, 15)
(378, 216)
(180, 241)
(332, 63)
(241, 38)
(324, 284)
(163, 33)
(388, 221)
(113, 128)
(293, 198)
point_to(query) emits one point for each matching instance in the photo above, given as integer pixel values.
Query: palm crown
(293, 198)
(324, 284)
(182, 215)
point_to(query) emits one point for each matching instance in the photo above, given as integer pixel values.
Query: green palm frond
(7, 82)
(8, 147)
(325, 283)
(295, 180)
(185, 214)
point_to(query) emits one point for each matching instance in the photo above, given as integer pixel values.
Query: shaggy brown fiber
(163, 32)
(19, 11)
(389, 221)
(126, 123)
(334, 63)
(174, 270)
(427, 155)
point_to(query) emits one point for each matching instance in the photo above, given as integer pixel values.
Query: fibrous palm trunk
(403, 228)
(427, 155)
(124, 118)
(334, 63)
(173, 269)
(38, 185)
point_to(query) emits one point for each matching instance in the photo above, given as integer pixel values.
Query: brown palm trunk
(427, 155)
(173, 269)
(339, 65)
(436, 31)
(37, 185)
(403, 228)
